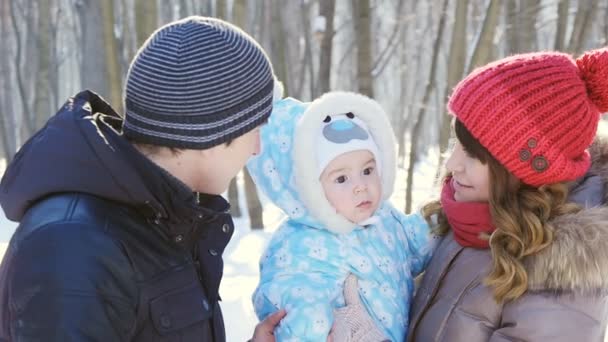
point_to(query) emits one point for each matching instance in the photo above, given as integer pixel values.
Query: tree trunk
(93, 72)
(308, 62)
(233, 198)
(512, 26)
(233, 190)
(29, 125)
(483, 52)
(239, 14)
(254, 206)
(184, 8)
(112, 57)
(582, 25)
(416, 131)
(527, 33)
(362, 22)
(606, 27)
(278, 49)
(521, 29)
(456, 64)
(146, 19)
(220, 9)
(8, 124)
(326, 10)
(42, 102)
(562, 25)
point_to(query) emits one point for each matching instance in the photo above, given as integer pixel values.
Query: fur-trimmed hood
(577, 260)
(286, 170)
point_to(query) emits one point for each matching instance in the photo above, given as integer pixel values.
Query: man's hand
(264, 331)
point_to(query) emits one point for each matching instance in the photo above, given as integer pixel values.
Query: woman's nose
(454, 164)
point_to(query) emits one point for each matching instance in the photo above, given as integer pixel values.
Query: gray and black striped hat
(196, 83)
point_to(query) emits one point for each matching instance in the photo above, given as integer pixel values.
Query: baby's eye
(340, 179)
(368, 171)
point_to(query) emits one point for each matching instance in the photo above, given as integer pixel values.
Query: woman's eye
(341, 179)
(368, 171)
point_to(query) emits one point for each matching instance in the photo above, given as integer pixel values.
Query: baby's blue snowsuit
(305, 264)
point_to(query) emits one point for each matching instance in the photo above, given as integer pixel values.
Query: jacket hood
(286, 171)
(81, 149)
(577, 260)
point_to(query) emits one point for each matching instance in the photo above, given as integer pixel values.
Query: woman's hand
(352, 323)
(264, 331)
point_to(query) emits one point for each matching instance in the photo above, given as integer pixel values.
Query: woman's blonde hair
(522, 216)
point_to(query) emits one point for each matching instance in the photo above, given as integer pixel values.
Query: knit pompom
(593, 66)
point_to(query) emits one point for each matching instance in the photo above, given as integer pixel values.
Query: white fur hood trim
(305, 170)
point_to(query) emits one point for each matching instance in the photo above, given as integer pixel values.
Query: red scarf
(467, 219)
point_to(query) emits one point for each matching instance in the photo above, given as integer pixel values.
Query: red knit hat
(536, 113)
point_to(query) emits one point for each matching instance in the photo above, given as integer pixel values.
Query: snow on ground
(246, 246)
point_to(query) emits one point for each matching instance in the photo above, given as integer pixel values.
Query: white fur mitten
(352, 323)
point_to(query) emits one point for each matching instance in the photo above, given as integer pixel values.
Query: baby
(330, 166)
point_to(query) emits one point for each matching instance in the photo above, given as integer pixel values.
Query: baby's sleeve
(296, 274)
(418, 239)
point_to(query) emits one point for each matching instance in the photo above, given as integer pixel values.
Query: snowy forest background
(408, 54)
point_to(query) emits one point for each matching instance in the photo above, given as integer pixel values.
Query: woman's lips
(459, 186)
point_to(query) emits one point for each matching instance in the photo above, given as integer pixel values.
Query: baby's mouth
(364, 204)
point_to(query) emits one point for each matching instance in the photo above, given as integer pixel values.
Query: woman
(523, 209)
(525, 251)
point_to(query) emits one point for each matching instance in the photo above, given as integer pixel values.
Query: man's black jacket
(110, 247)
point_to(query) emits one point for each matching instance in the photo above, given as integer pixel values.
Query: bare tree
(417, 130)
(42, 101)
(233, 198)
(239, 10)
(326, 10)
(411, 73)
(146, 19)
(239, 14)
(456, 64)
(606, 27)
(362, 22)
(385, 55)
(307, 59)
(21, 86)
(484, 47)
(582, 25)
(221, 9)
(278, 45)
(7, 122)
(521, 20)
(111, 56)
(93, 71)
(233, 189)
(562, 25)
(254, 206)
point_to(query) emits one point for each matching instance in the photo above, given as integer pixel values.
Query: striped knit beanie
(536, 113)
(196, 83)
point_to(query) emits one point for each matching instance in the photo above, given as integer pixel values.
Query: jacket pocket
(175, 311)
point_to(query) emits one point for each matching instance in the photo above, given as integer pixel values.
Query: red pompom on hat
(536, 113)
(594, 71)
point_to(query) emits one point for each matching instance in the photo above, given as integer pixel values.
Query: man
(122, 226)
